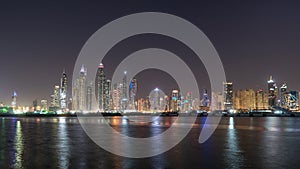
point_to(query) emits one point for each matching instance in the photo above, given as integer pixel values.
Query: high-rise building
(99, 87)
(293, 99)
(63, 91)
(174, 101)
(124, 98)
(44, 104)
(55, 97)
(283, 95)
(107, 96)
(132, 94)
(14, 100)
(157, 100)
(115, 97)
(89, 96)
(35, 104)
(272, 92)
(262, 100)
(79, 91)
(205, 99)
(228, 95)
(217, 102)
(245, 99)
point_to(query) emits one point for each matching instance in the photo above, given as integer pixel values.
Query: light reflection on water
(237, 143)
(19, 146)
(63, 149)
(233, 155)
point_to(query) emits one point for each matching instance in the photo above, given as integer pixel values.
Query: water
(244, 142)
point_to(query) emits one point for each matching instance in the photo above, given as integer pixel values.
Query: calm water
(243, 142)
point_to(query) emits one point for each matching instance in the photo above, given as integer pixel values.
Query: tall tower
(124, 101)
(14, 100)
(283, 95)
(205, 99)
(132, 94)
(99, 88)
(89, 96)
(271, 89)
(54, 105)
(174, 101)
(228, 95)
(107, 95)
(63, 91)
(79, 94)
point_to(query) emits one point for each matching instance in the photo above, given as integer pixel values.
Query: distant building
(283, 96)
(124, 98)
(272, 92)
(174, 101)
(245, 99)
(99, 87)
(14, 100)
(63, 91)
(217, 101)
(132, 94)
(44, 104)
(107, 96)
(262, 99)
(55, 99)
(293, 99)
(79, 91)
(89, 96)
(228, 95)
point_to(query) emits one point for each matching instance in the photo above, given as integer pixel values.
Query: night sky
(39, 39)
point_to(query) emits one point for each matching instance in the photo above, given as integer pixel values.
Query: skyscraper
(124, 101)
(115, 97)
(14, 100)
(107, 96)
(99, 87)
(174, 100)
(63, 91)
(132, 94)
(283, 95)
(54, 104)
(228, 95)
(89, 96)
(272, 89)
(79, 91)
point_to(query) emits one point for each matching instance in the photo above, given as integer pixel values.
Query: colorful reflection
(19, 146)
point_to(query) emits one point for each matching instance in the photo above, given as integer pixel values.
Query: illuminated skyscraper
(54, 105)
(174, 100)
(283, 95)
(14, 100)
(115, 97)
(132, 94)
(89, 96)
(157, 100)
(205, 99)
(107, 96)
(228, 95)
(292, 101)
(79, 91)
(63, 91)
(99, 88)
(262, 99)
(124, 101)
(272, 89)
(246, 99)
(44, 104)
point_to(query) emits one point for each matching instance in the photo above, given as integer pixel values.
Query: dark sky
(38, 39)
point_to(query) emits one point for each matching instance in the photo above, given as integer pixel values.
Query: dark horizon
(40, 39)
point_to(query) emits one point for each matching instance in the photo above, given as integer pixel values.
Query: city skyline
(121, 97)
(253, 40)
